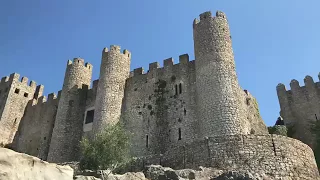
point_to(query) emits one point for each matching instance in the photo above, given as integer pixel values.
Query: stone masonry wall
(276, 156)
(300, 107)
(114, 70)
(27, 139)
(159, 106)
(68, 127)
(254, 120)
(35, 129)
(219, 97)
(48, 115)
(90, 105)
(15, 94)
(155, 111)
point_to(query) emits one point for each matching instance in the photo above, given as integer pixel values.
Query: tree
(107, 150)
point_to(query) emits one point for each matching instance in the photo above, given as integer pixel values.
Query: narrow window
(176, 88)
(316, 116)
(45, 138)
(147, 141)
(15, 121)
(89, 117)
(25, 94)
(180, 88)
(185, 111)
(71, 103)
(179, 134)
(17, 91)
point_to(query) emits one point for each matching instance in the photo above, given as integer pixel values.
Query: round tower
(68, 125)
(219, 97)
(114, 70)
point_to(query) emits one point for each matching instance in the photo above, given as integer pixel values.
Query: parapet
(295, 85)
(79, 61)
(297, 92)
(167, 65)
(59, 94)
(16, 77)
(39, 91)
(42, 99)
(308, 81)
(281, 87)
(208, 16)
(116, 48)
(51, 97)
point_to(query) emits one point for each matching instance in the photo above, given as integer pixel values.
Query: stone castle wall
(300, 107)
(14, 94)
(159, 107)
(274, 155)
(68, 125)
(114, 70)
(35, 130)
(165, 109)
(218, 91)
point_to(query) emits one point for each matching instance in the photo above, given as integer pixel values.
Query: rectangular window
(147, 141)
(179, 134)
(180, 88)
(17, 91)
(89, 117)
(176, 88)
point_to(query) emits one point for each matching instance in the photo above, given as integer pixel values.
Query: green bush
(278, 129)
(107, 149)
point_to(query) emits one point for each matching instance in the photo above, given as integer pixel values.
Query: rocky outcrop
(18, 166)
(157, 172)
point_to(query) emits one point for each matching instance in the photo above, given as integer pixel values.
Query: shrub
(278, 129)
(107, 149)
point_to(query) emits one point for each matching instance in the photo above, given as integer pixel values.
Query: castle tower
(15, 93)
(114, 70)
(69, 118)
(219, 100)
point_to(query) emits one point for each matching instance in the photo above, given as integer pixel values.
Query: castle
(299, 108)
(180, 115)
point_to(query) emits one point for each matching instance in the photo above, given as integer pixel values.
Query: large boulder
(157, 172)
(18, 166)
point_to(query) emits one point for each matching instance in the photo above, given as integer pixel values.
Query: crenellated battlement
(42, 100)
(208, 16)
(116, 48)
(295, 85)
(167, 65)
(15, 77)
(79, 61)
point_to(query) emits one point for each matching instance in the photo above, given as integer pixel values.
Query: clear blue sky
(274, 41)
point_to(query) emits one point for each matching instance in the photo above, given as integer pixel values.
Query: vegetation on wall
(107, 150)
(278, 129)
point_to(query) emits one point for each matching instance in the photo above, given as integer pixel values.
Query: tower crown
(115, 49)
(207, 16)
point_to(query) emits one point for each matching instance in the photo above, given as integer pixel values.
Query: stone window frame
(87, 127)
